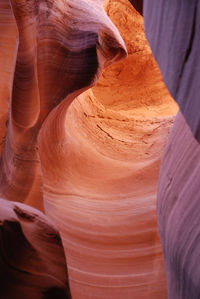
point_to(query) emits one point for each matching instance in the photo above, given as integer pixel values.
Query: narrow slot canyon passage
(85, 150)
(103, 200)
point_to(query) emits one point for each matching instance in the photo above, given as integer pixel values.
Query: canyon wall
(106, 166)
(32, 259)
(172, 28)
(87, 153)
(8, 40)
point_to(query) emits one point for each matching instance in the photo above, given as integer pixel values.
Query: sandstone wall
(90, 153)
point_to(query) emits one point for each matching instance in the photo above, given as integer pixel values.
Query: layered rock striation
(172, 29)
(106, 162)
(90, 154)
(58, 56)
(32, 259)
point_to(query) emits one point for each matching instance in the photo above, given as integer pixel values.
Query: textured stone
(173, 29)
(59, 55)
(105, 157)
(92, 155)
(178, 211)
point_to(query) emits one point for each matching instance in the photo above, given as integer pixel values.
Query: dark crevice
(105, 132)
(138, 5)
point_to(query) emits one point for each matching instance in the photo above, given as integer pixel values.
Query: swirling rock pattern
(106, 160)
(56, 47)
(95, 161)
(32, 259)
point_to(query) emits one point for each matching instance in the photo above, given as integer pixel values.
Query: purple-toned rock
(172, 28)
(179, 210)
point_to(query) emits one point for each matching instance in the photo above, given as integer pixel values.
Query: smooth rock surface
(8, 42)
(59, 54)
(178, 211)
(173, 29)
(97, 157)
(101, 187)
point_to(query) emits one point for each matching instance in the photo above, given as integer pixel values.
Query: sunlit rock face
(92, 154)
(32, 259)
(101, 188)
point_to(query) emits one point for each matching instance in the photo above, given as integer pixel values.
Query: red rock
(101, 187)
(32, 259)
(92, 155)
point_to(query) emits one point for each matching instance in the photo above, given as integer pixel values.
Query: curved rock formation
(32, 259)
(105, 159)
(95, 161)
(8, 42)
(59, 55)
(178, 211)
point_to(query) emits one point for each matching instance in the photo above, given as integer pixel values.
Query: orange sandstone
(95, 163)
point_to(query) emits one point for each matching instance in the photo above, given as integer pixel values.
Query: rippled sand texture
(95, 163)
